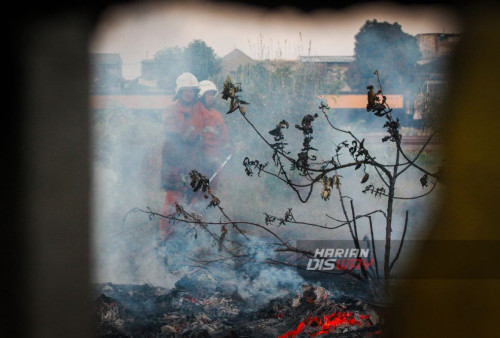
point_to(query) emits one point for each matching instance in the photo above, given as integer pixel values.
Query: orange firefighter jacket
(215, 139)
(181, 146)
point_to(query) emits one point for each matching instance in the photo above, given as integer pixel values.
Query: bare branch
(413, 197)
(363, 270)
(381, 177)
(374, 249)
(359, 216)
(402, 240)
(411, 163)
(204, 224)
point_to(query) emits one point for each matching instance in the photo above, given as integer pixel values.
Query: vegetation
(430, 105)
(197, 58)
(384, 46)
(311, 169)
(276, 91)
(281, 92)
(285, 89)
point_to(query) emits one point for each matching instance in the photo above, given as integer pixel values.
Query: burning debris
(193, 309)
(314, 294)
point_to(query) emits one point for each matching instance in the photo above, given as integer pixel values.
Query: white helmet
(185, 80)
(206, 86)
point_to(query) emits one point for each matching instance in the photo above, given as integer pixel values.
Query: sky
(138, 31)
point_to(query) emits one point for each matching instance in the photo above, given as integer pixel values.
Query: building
(146, 83)
(140, 96)
(233, 60)
(434, 45)
(106, 71)
(436, 49)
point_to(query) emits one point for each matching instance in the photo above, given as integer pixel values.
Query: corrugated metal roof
(327, 58)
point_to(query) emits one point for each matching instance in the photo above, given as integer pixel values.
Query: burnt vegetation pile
(149, 311)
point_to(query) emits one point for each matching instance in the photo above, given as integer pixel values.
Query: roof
(105, 58)
(237, 54)
(234, 59)
(446, 35)
(328, 58)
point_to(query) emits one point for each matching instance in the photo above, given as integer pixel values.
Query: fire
(295, 332)
(191, 299)
(328, 324)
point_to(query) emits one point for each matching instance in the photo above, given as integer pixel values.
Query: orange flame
(328, 324)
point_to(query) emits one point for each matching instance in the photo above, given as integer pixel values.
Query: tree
(197, 58)
(202, 60)
(170, 63)
(325, 172)
(384, 46)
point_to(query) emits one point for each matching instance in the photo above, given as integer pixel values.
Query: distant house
(233, 60)
(435, 45)
(139, 96)
(146, 83)
(106, 70)
(436, 49)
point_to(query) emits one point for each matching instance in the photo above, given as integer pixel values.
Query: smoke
(126, 176)
(127, 162)
(251, 276)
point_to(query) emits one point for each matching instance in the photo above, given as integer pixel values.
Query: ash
(202, 306)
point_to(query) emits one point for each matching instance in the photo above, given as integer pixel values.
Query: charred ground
(199, 307)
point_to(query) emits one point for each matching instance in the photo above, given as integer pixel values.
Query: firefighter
(215, 139)
(181, 144)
